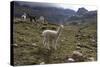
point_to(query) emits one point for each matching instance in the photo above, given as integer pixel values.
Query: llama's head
(62, 26)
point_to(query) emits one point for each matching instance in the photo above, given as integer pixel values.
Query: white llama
(51, 37)
(24, 17)
(40, 19)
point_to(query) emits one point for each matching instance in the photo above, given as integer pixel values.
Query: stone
(78, 43)
(91, 59)
(77, 53)
(34, 44)
(78, 48)
(42, 63)
(71, 60)
(62, 40)
(77, 56)
(92, 40)
(15, 45)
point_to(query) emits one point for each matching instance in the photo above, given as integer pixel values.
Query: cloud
(75, 7)
(64, 5)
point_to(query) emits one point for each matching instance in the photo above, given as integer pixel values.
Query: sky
(68, 4)
(76, 6)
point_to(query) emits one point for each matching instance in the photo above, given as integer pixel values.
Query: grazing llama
(51, 37)
(40, 20)
(31, 18)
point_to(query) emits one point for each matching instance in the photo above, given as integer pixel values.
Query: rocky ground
(77, 43)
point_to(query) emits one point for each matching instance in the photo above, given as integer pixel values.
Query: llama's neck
(59, 31)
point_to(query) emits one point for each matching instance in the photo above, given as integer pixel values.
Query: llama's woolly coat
(51, 37)
(49, 34)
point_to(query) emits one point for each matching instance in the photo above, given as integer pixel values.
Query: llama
(24, 17)
(36, 19)
(40, 20)
(31, 18)
(51, 37)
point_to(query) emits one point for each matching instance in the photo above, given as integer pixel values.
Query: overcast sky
(67, 4)
(75, 7)
(88, 4)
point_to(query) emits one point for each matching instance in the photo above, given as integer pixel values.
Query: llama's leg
(44, 42)
(48, 44)
(53, 44)
(56, 43)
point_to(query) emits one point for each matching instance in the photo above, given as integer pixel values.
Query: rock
(91, 59)
(77, 56)
(84, 35)
(78, 43)
(15, 45)
(91, 50)
(77, 53)
(92, 40)
(71, 60)
(78, 48)
(42, 63)
(34, 44)
(62, 40)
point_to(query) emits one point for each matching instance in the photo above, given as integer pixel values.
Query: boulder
(71, 60)
(91, 59)
(77, 56)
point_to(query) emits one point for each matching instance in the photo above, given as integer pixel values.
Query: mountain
(81, 11)
(90, 14)
(51, 14)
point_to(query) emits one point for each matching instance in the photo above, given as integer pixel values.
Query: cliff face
(81, 11)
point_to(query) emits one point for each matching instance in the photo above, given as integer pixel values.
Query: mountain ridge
(52, 14)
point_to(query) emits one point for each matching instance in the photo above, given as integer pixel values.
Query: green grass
(26, 33)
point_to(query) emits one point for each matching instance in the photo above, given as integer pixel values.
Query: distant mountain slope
(53, 14)
(82, 13)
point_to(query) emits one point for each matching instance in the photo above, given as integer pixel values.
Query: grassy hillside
(30, 48)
